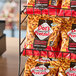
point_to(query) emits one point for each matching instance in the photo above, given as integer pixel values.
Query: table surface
(10, 59)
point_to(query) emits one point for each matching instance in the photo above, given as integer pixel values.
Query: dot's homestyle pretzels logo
(47, 28)
(43, 31)
(39, 70)
(71, 71)
(71, 74)
(72, 33)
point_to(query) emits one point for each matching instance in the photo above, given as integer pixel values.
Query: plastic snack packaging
(49, 2)
(68, 34)
(40, 67)
(54, 2)
(43, 33)
(67, 11)
(65, 3)
(30, 2)
(47, 7)
(67, 68)
(68, 4)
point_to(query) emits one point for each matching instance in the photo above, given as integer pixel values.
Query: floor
(9, 60)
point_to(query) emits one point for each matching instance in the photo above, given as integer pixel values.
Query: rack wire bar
(21, 52)
(48, 53)
(55, 8)
(23, 40)
(22, 71)
(19, 38)
(23, 10)
(20, 43)
(48, 50)
(24, 19)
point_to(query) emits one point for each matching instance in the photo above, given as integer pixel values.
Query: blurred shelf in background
(15, 33)
(9, 11)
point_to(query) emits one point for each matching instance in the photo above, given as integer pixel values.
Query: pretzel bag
(67, 11)
(65, 3)
(49, 2)
(47, 7)
(67, 68)
(54, 2)
(40, 67)
(68, 35)
(42, 34)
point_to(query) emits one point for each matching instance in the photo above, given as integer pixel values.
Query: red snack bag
(48, 11)
(40, 67)
(68, 39)
(47, 7)
(67, 68)
(43, 34)
(68, 4)
(65, 3)
(67, 13)
(49, 2)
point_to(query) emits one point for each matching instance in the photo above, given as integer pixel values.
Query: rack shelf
(62, 53)
(34, 10)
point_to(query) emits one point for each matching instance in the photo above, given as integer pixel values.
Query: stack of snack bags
(41, 67)
(68, 35)
(50, 2)
(53, 34)
(40, 7)
(43, 33)
(36, 66)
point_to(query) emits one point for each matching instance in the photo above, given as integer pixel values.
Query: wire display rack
(25, 11)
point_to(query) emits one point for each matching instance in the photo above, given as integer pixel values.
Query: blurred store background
(9, 36)
(10, 13)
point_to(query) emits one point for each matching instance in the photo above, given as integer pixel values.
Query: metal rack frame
(20, 42)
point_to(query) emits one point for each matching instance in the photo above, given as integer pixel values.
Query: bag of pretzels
(67, 13)
(67, 68)
(41, 67)
(66, 3)
(43, 34)
(68, 8)
(68, 35)
(47, 7)
(49, 2)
